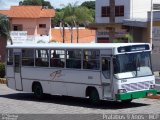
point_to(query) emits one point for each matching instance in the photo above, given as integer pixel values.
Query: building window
(17, 27)
(119, 11)
(105, 11)
(103, 40)
(42, 25)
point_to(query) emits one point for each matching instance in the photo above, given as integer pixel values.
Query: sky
(5, 4)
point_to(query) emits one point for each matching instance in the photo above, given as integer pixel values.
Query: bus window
(42, 58)
(28, 57)
(73, 59)
(106, 67)
(91, 59)
(10, 57)
(57, 58)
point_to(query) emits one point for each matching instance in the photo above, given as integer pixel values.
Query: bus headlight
(152, 86)
(122, 91)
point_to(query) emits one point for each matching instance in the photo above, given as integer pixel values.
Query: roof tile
(28, 12)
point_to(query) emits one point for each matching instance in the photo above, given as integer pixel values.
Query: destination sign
(133, 48)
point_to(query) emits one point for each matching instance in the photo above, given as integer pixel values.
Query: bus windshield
(132, 65)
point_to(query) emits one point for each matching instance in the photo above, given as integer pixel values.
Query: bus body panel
(134, 84)
(61, 81)
(11, 83)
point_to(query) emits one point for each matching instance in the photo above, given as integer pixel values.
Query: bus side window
(57, 58)
(28, 57)
(73, 59)
(91, 59)
(10, 57)
(42, 58)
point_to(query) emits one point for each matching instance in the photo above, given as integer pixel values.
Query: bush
(2, 70)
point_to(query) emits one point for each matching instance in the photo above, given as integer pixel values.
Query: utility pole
(77, 33)
(112, 20)
(151, 25)
(63, 31)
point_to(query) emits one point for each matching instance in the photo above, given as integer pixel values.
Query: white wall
(100, 3)
(134, 9)
(141, 8)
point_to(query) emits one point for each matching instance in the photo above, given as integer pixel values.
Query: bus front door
(106, 77)
(17, 71)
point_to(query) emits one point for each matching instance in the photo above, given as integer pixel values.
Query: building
(34, 22)
(155, 39)
(29, 24)
(130, 17)
(84, 35)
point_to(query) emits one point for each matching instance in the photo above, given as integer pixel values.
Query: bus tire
(94, 97)
(38, 91)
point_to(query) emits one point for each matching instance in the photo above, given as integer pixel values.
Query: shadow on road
(71, 101)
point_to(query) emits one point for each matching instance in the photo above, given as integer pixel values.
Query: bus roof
(74, 45)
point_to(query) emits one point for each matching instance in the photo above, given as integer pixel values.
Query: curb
(2, 81)
(154, 97)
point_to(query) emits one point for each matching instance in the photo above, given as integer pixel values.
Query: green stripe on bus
(135, 95)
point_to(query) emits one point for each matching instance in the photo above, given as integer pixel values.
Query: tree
(73, 17)
(5, 28)
(36, 3)
(89, 4)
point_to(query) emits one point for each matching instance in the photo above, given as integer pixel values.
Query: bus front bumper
(135, 95)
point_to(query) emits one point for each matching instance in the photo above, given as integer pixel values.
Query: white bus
(112, 71)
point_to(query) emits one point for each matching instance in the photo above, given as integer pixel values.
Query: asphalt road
(12, 101)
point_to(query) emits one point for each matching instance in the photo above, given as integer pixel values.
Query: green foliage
(2, 70)
(128, 37)
(58, 17)
(125, 38)
(72, 15)
(31, 2)
(36, 3)
(89, 4)
(5, 27)
(117, 41)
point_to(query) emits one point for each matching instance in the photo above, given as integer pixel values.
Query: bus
(97, 71)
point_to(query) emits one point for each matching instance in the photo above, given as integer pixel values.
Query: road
(12, 101)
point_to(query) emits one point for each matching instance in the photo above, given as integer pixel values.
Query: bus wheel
(94, 97)
(38, 91)
(126, 101)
